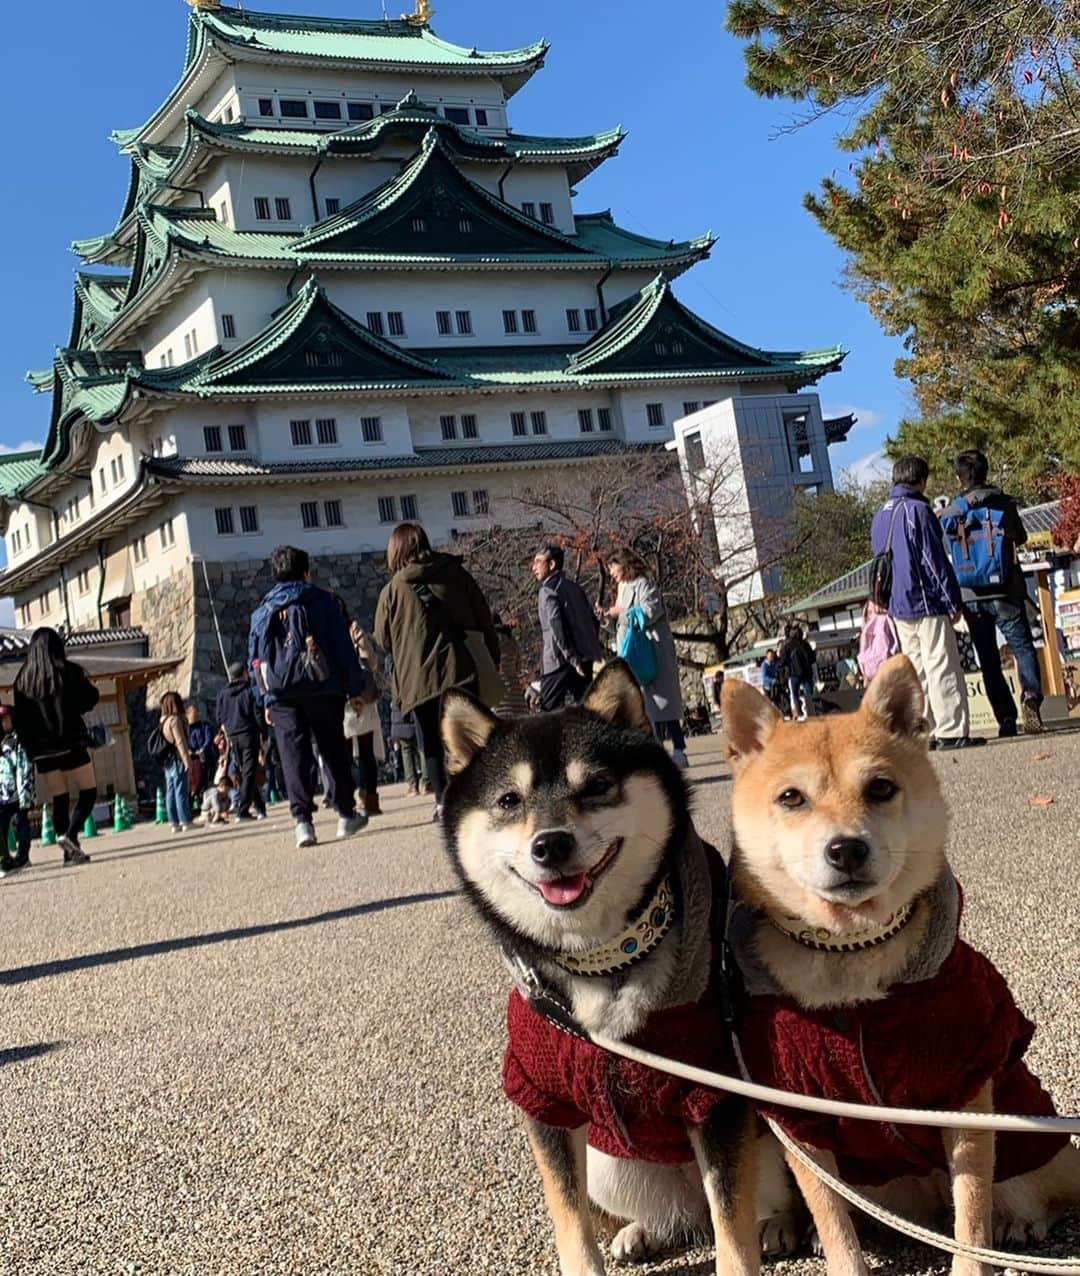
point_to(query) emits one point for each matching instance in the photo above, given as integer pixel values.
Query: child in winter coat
(18, 795)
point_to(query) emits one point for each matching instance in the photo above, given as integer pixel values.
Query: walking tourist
(999, 603)
(363, 729)
(403, 743)
(513, 705)
(174, 729)
(238, 718)
(434, 622)
(18, 796)
(571, 644)
(51, 695)
(770, 677)
(202, 751)
(663, 696)
(799, 659)
(305, 669)
(924, 600)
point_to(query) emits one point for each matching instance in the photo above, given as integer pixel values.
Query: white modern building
(342, 291)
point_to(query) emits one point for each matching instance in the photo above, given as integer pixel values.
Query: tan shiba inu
(860, 988)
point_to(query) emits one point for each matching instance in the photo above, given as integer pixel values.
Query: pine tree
(961, 209)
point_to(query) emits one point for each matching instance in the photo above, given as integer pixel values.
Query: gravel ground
(219, 1055)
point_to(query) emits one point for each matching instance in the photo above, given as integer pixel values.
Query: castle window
(603, 419)
(591, 321)
(266, 106)
(517, 424)
(573, 320)
(212, 438)
(138, 549)
(410, 509)
(293, 108)
(238, 438)
(103, 485)
(387, 509)
(262, 208)
(529, 209)
(395, 320)
(459, 503)
(323, 358)
(457, 114)
(480, 502)
(223, 516)
(371, 429)
(166, 534)
(300, 432)
(528, 321)
(442, 323)
(676, 347)
(187, 345)
(585, 420)
(361, 111)
(116, 469)
(465, 225)
(328, 110)
(227, 115)
(690, 407)
(660, 348)
(448, 426)
(375, 322)
(249, 519)
(228, 327)
(695, 453)
(463, 318)
(309, 514)
(333, 205)
(510, 322)
(539, 422)
(469, 428)
(654, 413)
(481, 117)
(332, 513)
(223, 214)
(419, 225)
(16, 541)
(283, 208)
(547, 214)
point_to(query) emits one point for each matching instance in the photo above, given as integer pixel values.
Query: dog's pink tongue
(564, 890)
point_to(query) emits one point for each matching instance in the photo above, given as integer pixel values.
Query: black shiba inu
(572, 836)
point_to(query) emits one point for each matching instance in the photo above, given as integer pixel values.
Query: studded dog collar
(824, 941)
(635, 942)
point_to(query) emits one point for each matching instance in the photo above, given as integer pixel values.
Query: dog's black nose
(554, 848)
(847, 853)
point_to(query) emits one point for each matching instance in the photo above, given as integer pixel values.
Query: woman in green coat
(425, 615)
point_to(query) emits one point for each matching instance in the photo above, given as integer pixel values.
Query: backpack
(287, 657)
(976, 541)
(881, 568)
(160, 750)
(637, 648)
(878, 641)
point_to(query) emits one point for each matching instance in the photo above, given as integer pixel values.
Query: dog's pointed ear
(616, 697)
(466, 727)
(895, 697)
(749, 719)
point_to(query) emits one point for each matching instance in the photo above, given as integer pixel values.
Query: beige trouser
(930, 645)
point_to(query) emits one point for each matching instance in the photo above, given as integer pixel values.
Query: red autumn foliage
(1067, 529)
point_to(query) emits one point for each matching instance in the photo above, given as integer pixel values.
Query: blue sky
(700, 156)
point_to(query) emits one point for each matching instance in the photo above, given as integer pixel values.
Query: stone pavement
(219, 1055)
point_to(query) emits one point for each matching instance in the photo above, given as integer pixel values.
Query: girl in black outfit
(51, 695)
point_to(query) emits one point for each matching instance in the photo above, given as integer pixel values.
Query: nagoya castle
(341, 292)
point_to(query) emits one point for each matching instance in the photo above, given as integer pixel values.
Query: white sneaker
(305, 834)
(259, 815)
(679, 758)
(176, 828)
(348, 825)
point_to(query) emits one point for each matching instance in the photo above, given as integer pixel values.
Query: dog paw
(632, 1244)
(1012, 1230)
(779, 1235)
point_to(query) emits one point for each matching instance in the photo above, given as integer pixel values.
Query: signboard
(982, 716)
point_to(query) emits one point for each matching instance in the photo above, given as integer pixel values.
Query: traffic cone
(129, 815)
(159, 814)
(90, 827)
(272, 797)
(118, 814)
(48, 833)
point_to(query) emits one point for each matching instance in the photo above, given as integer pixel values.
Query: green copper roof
(101, 250)
(17, 469)
(354, 40)
(654, 332)
(311, 342)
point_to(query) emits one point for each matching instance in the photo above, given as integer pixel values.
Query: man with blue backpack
(983, 530)
(303, 670)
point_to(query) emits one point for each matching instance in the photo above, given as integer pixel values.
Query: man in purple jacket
(925, 601)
